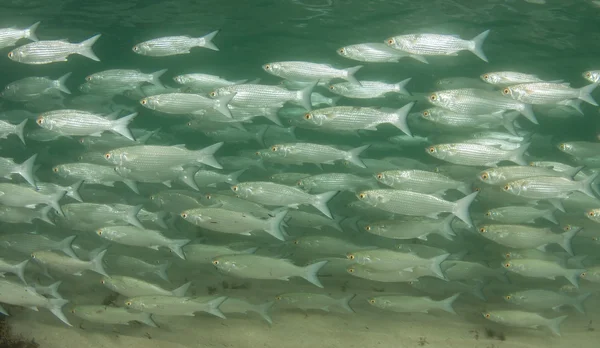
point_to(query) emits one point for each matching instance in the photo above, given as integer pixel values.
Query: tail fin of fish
(585, 94)
(576, 261)
(156, 77)
(3, 311)
(55, 306)
(96, 263)
(233, 178)
(352, 156)
(579, 300)
(400, 86)
(461, 208)
(132, 216)
(554, 324)
(527, 111)
(477, 291)
(446, 304)
(180, 291)
(66, 246)
(350, 74)
(221, 104)
(477, 43)
(344, 302)
(260, 134)
(274, 225)
(121, 126)
(53, 289)
(517, 154)
(206, 155)
(25, 169)
(60, 83)
(303, 96)
(146, 318)
(419, 58)
(508, 121)
(566, 237)
(85, 48)
(43, 214)
(310, 272)
(30, 32)
(446, 230)
(435, 266)
(161, 271)
(187, 177)
(320, 202)
(132, 185)
(176, 245)
(19, 130)
(401, 118)
(271, 115)
(572, 276)
(549, 215)
(586, 185)
(213, 307)
(574, 104)
(19, 270)
(206, 41)
(54, 199)
(263, 311)
(73, 191)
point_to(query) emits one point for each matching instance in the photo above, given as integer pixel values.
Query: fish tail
(74, 191)
(585, 94)
(320, 202)
(206, 155)
(260, 135)
(549, 215)
(557, 203)
(55, 306)
(435, 265)
(447, 231)
(566, 237)
(508, 121)
(121, 126)
(19, 130)
(66, 246)
(344, 302)
(575, 104)
(180, 291)
(54, 289)
(352, 155)
(85, 48)
(446, 304)
(579, 300)
(144, 138)
(176, 245)
(60, 83)
(527, 111)
(53, 201)
(221, 104)
(206, 41)
(233, 178)
(477, 45)
(19, 270)
(516, 155)
(187, 177)
(263, 311)
(419, 58)
(96, 263)
(477, 291)
(30, 32)
(3, 311)
(161, 271)
(213, 307)
(586, 185)
(350, 75)
(148, 320)
(400, 86)
(275, 225)
(132, 185)
(572, 276)
(156, 77)
(577, 261)
(25, 169)
(461, 208)
(401, 117)
(132, 216)
(44, 215)
(311, 272)
(304, 96)
(554, 324)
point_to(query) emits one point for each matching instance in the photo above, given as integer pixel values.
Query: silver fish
(476, 155)
(10, 36)
(50, 51)
(173, 45)
(76, 122)
(549, 93)
(309, 72)
(369, 89)
(376, 53)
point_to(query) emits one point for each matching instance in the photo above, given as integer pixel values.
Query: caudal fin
(350, 74)
(527, 111)
(221, 104)
(566, 237)
(585, 94)
(53, 201)
(263, 311)
(73, 191)
(446, 229)
(345, 303)
(25, 169)
(30, 32)
(303, 96)
(320, 202)
(233, 178)
(311, 272)
(516, 155)
(446, 304)
(96, 263)
(132, 216)
(161, 271)
(554, 324)
(435, 266)
(586, 185)
(85, 48)
(572, 276)
(66, 246)
(60, 83)
(180, 291)
(19, 130)
(206, 41)
(43, 215)
(121, 126)
(146, 318)
(400, 86)
(579, 300)
(274, 226)
(352, 156)
(461, 208)
(53, 289)
(19, 270)
(477, 45)
(401, 118)
(213, 307)
(549, 215)
(206, 155)
(176, 245)
(55, 306)
(156, 77)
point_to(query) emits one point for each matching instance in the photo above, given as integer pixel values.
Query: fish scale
(542, 92)
(178, 103)
(373, 52)
(310, 153)
(545, 187)
(306, 71)
(368, 89)
(449, 118)
(474, 154)
(250, 95)
(354, 118)
(418, 180)
(432, 44)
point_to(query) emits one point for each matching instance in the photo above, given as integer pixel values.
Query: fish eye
(215, 262)
(431, 149)
(477, 189)
(508, 297)
(379, 176)
(55, 169)
(136, 48)
(189, 123)
(482, 230)
(299, 183)
(296, 242)
(332, 87)
(507, 265)
(128, 303)
(208, 196)
(390, 41)
(351, 270)
(184, 215)
(368, 227)
(591, 213)
(506, 187)
(486, 76)
(267, 66)
(73, 311)
(11, 54)
(213, 94)
(342, 50)
(81, 140)
(273, 148)
(32, 255)
(485, 176)
(351, 256)
(235, 188)
(588, 74)
(362, 195)
(278, 298)
(103, 281)
(99, 232)
(562, 146)
(568, 227)
(88, 78)
(40, 120)
(507, 255)
(487, 315)
(433, 97)
(308, 116)
(488, 213)
(506, 91)
(426, 113)
(582, 275)
(372, 301)
(107, 156)
(144, 101)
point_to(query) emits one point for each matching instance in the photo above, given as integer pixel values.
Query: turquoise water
(556, 40)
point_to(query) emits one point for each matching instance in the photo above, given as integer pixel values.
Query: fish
(592, 75)
(316, 153)
(205, 81)
(68, 265)
(369, 89)
(540, 299)
(76, 122)
(174, 45)
(28, 243)
(523, 319)
(159, 157)
(376, 53)
(418, 228)
(25, 169)
(509, 78)
(321, 183)
(420, 181)
(236, 305)
(51, 51)
(528, 237)
(307, 301)
(542, 269)
(476, 155)
(20, 196)
(541, 93)
(505, 174)
(264, 96)
(126, 76)
(204, 253)
(7, 129)
(436, 44)
(31, 88)
(132, 287)
(520, 214)
(309, 72)
(10, 36)
(16, 269)
(187, 103)
(412, 304)
(169, 305)
(111, 315)
(388, 260)
(135, 236)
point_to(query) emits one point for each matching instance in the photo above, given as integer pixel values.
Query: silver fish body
(375, 53)
(50, 51)
(174, 45)
(436, 44)
(309, 72)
